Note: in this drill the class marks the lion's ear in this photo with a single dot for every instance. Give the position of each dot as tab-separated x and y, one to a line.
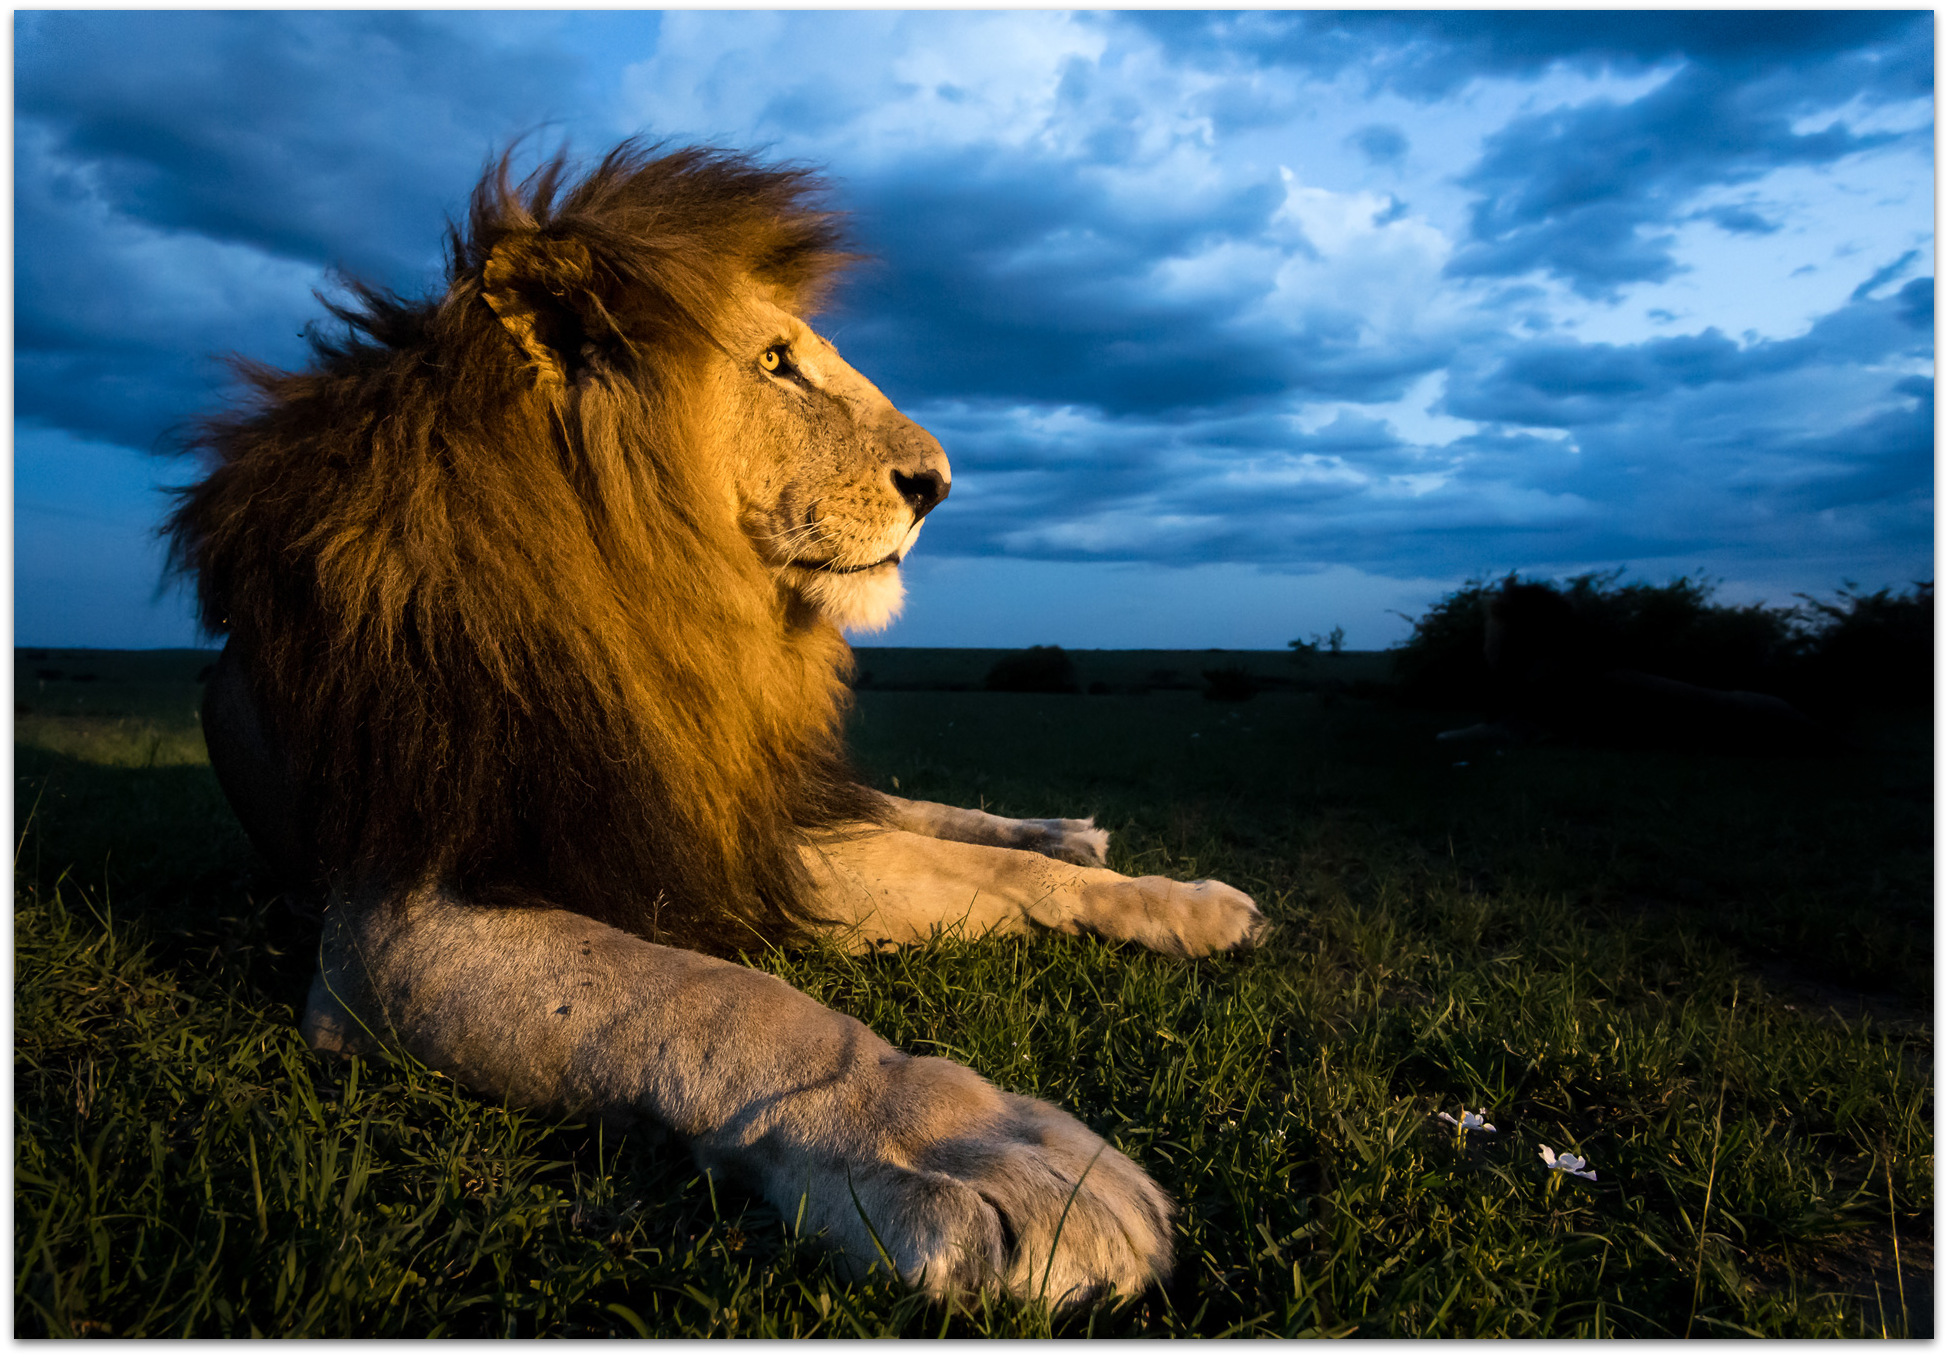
540	289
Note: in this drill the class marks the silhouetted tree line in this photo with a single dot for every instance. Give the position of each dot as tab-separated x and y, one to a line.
1582	655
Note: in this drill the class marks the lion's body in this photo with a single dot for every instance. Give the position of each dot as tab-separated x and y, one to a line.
534	594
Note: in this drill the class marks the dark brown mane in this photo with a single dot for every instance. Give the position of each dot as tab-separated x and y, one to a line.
494	618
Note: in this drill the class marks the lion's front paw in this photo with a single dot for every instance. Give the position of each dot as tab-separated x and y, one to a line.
1021	1196
1077	841
1188	918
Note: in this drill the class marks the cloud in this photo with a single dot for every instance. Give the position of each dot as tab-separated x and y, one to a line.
333	139
184	181
1008	278
1583	193
1740	221
1887	275
1429	55
1380	143
118	323
1554	383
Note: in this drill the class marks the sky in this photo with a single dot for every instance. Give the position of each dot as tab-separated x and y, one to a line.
1235	327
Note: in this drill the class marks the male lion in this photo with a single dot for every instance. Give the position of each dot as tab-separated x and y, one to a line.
533	593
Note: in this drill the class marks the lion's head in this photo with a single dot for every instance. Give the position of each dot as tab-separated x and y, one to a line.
830	481
540	579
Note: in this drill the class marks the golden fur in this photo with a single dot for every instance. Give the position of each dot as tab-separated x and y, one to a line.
534	592
491	602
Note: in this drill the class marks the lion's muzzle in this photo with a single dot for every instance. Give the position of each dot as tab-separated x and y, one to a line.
917	465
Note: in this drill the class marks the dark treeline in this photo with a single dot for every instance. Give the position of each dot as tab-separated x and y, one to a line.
1590	658
1556	652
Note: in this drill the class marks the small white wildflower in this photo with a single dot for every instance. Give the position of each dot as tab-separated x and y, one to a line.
1470	1121
1567	1163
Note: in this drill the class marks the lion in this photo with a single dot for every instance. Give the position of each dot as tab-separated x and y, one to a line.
534	593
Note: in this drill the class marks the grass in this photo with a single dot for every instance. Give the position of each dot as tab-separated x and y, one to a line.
1711	977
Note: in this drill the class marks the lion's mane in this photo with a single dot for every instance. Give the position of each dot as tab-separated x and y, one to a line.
491	613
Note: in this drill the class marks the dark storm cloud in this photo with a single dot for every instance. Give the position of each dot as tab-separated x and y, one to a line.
1887	275
1002	277
117	327
337	139
1694	447
1742	221
1584	193
1555	384
1380	143
1430	54
999	276
183	180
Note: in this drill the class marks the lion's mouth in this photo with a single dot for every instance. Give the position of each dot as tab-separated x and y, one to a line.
833	568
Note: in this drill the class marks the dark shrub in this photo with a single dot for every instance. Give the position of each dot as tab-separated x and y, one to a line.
1677	631
1038	669
1441	664
1868	650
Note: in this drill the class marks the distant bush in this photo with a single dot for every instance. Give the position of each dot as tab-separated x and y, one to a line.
1334	643
1861	650
1038	669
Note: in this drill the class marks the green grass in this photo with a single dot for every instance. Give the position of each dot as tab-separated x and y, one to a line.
1712	977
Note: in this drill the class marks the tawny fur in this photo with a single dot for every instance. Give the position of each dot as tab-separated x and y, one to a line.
534	594
504	617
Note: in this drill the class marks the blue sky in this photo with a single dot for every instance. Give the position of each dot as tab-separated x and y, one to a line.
1236	326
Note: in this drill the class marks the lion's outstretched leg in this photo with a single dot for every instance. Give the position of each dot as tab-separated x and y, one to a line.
963	1185
1077	841
896	886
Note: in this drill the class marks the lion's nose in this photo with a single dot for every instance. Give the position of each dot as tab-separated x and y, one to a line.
922	489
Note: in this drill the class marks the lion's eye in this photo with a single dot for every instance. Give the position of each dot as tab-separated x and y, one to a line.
774	358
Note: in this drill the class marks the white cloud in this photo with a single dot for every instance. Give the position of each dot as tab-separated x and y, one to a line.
862	86
1346	258
1412	418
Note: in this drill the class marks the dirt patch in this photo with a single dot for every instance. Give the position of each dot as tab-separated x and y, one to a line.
1901	1299
1805	994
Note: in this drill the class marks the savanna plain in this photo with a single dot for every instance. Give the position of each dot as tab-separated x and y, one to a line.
1709	976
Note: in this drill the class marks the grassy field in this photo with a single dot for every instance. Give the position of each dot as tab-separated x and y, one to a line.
1711	977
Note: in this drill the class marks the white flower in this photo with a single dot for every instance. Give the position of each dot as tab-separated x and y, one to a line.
1567	1163
1470	1121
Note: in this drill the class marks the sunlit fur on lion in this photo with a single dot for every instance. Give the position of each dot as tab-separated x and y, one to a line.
534	593
504	613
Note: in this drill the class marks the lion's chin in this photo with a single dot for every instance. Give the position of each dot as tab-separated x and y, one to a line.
862	600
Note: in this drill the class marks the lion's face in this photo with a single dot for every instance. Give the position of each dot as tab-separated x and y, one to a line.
830	481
